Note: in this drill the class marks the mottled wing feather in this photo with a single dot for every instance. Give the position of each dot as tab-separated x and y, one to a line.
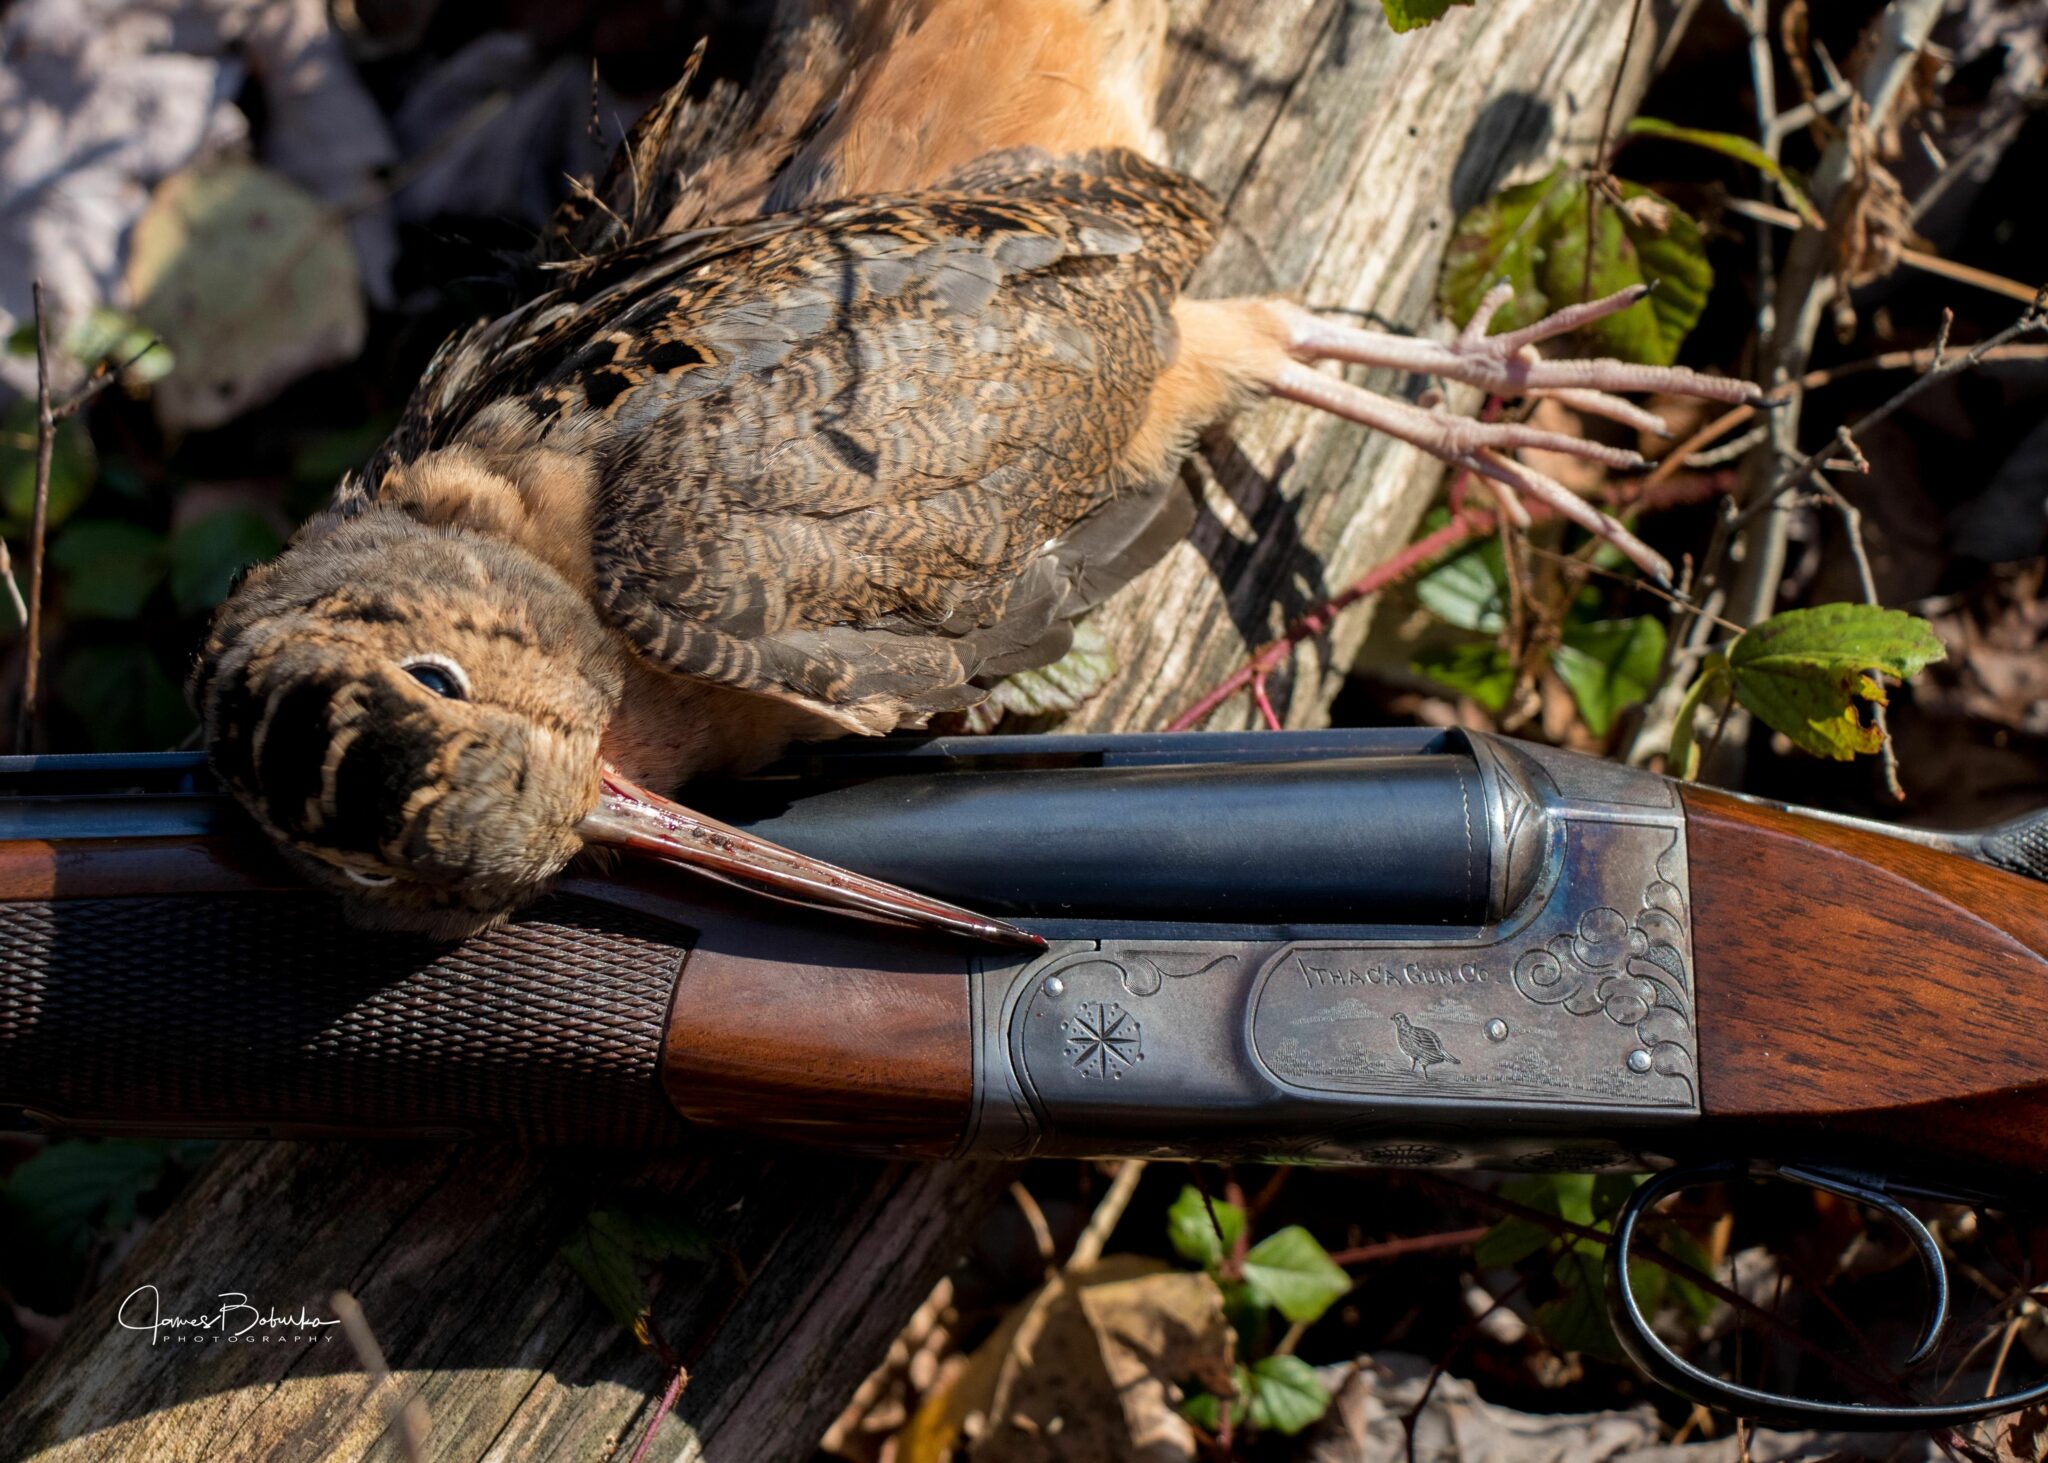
889	473
861	454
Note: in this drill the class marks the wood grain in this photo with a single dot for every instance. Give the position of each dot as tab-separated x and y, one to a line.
1343	154
841	1034
1870	988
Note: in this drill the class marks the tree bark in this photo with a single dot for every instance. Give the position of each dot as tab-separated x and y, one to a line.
1344	154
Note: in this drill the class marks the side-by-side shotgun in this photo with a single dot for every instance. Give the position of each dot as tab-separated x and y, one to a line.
1390	948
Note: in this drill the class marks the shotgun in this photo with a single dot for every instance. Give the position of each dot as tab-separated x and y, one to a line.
1381	947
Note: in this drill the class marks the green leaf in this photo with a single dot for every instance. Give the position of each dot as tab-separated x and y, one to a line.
1610	1192
1567	1195
1204	1410
1050	690
1407	15
1509	1243
1608	664
109	338
56	1205
1577	1319
1477	669
1535	237
1469	589
110	568
123	697
72	466
1289	1271
1193	1233
208	552
1731	144
1680	1245
614	1250
1803	671
1286	1396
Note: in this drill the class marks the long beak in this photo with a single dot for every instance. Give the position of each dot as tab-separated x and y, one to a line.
630	817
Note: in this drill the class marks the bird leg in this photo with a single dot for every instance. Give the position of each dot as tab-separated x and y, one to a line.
1504	365
628	816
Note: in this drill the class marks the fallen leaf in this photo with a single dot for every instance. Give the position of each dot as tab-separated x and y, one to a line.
251	282
1095	1381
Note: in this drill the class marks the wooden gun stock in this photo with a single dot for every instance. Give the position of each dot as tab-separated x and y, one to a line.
1860	990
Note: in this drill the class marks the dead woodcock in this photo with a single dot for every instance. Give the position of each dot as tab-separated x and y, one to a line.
893	386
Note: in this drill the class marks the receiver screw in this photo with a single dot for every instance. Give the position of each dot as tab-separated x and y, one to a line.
1639	1060
1054	986
1496	1030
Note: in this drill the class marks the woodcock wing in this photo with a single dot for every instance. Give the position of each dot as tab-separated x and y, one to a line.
894	389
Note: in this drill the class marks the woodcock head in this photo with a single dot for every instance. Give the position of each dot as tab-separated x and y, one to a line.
416	714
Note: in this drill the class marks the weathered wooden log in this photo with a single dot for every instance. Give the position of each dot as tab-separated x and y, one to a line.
1344	154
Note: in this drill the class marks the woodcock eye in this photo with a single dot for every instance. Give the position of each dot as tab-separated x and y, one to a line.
442	677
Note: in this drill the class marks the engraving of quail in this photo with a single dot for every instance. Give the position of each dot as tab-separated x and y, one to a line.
857	421
1423	1047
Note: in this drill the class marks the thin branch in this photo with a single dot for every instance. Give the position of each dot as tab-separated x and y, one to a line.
1466	524
405	1415
1394	1249
49	415
2031	320
39	523
678	1379
1859	555
1920	259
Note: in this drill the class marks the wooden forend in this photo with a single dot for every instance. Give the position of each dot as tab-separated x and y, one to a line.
1861	986
835	1032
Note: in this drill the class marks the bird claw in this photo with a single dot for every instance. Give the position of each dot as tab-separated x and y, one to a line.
1506	365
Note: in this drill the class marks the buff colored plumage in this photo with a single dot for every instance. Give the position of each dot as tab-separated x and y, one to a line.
844	405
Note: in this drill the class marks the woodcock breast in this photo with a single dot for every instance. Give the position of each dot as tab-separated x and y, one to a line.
910	398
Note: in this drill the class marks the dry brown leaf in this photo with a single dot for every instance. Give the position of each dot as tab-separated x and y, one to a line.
250	281
1094	1382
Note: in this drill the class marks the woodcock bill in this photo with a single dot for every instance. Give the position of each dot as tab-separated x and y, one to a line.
842	408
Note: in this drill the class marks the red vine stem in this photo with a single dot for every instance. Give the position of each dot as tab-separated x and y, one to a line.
1466	525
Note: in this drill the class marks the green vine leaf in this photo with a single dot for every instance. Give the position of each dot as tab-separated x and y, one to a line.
1802	672
1292	1273
1607	665
1477	669
1407	15
1286	1395
614	1250
1731	144
1193	1233
110	568
1536	237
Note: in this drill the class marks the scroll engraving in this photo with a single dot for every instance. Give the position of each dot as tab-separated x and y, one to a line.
1631	969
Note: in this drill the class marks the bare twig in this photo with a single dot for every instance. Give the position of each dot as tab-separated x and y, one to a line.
407	1416
1466	524
1041	1232
1805	287
1909	258
2031	320
678	1379
1086	1252
39	523
49	415
1394	1249
1859	554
